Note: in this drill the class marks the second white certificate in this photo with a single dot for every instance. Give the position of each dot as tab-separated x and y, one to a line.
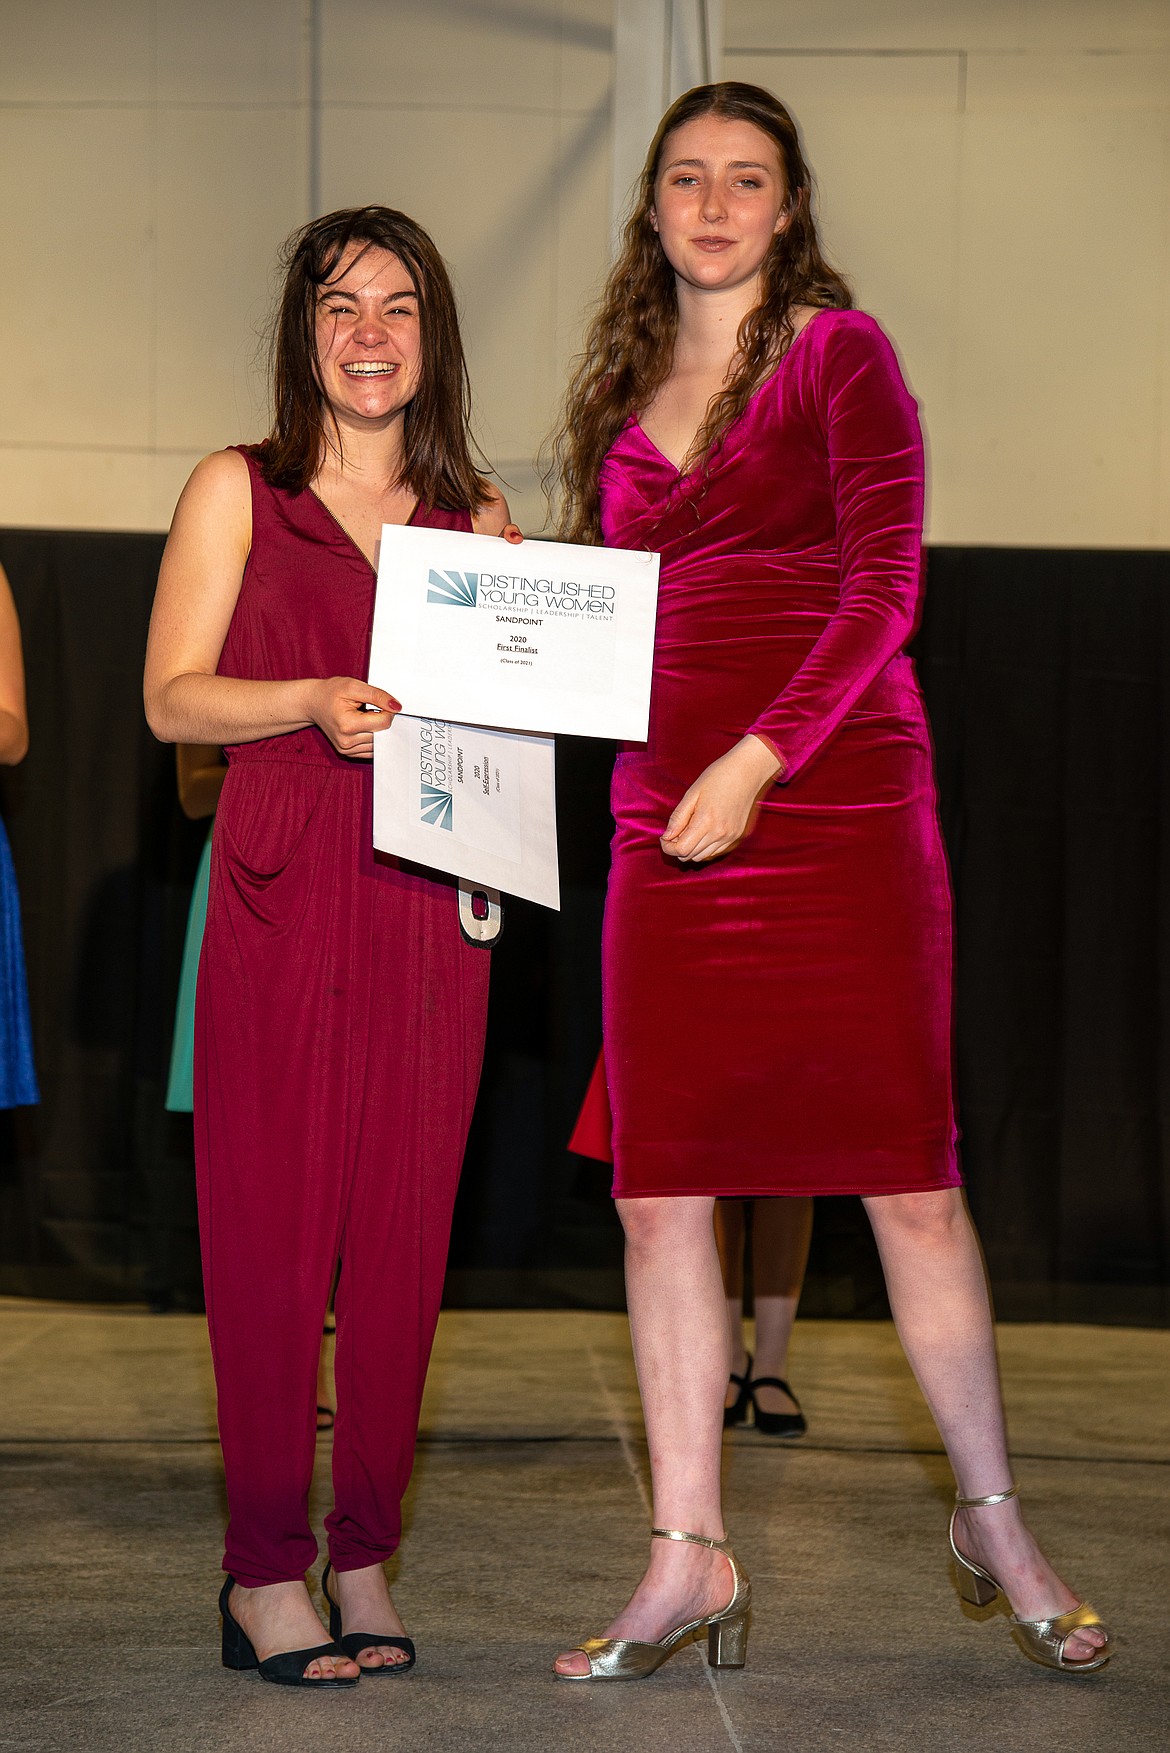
472	802
536	636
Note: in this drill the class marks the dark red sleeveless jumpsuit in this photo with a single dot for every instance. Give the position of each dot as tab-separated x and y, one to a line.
338	1038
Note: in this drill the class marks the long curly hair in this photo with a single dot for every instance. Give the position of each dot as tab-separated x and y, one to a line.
629	344
437	445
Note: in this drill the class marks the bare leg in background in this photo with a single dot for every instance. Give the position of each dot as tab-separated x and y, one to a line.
781	1230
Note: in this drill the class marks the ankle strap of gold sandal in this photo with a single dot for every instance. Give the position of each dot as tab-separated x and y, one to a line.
692	1539
976	1503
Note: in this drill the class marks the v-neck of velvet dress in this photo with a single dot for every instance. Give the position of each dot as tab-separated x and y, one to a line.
779	1021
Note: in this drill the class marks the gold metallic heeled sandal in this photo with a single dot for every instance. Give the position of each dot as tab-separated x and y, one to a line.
623	1658
1043	1640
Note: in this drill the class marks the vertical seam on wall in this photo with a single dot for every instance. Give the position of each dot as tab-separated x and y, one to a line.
155	219
312	27
1160	497
554	339
959	242
665	58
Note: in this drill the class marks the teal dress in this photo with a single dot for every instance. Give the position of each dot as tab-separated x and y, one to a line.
180	1099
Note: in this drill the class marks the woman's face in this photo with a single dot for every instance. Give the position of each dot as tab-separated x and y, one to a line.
369	343
718	201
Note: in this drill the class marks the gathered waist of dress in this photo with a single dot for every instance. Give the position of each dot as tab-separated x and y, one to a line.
815	567
715	602
694	632
306	748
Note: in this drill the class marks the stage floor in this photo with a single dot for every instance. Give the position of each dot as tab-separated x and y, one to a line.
526	1527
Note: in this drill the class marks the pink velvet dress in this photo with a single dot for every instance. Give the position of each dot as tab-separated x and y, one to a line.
779	1021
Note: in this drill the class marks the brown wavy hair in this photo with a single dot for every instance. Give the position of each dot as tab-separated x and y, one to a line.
629	344
437	444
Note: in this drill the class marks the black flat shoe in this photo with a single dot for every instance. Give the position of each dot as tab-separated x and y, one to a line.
353	1641
738	1410
777	1423
287	1668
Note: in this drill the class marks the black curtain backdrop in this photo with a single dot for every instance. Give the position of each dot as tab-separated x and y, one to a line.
96	1191
1047	675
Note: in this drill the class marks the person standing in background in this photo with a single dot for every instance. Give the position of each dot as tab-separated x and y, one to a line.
18	1078
777	1232
199	773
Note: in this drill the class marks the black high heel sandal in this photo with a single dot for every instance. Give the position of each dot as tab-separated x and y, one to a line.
287	1668
777	1423
738	1410
353	1641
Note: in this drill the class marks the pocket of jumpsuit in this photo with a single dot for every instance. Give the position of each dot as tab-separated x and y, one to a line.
271	843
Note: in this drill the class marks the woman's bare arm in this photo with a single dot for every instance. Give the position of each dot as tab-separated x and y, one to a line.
13	713
494	519
198	586
200	770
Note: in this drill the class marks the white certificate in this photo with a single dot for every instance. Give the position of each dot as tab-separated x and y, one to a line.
537	636
475	803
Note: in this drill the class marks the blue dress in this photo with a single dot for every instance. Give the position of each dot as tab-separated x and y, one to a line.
18	1080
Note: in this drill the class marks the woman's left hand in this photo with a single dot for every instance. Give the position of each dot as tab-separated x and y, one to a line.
721	806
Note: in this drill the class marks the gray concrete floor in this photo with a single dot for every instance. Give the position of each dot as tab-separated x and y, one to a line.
526	1527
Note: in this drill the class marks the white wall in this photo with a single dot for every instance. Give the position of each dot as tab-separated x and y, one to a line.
489	123
995	176
154	154
151	155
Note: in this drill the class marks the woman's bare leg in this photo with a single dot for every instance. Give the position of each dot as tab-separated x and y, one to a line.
730	1226
938	1293
326	1395
678	1327
781	1232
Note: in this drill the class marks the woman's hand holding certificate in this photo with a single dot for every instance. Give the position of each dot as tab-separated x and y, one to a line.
544	636
478	631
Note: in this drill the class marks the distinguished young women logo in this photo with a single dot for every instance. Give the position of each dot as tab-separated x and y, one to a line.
456	589
437	801
438	807
566	597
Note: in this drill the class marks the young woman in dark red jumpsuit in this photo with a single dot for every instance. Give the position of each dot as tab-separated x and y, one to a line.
340	1013
777	954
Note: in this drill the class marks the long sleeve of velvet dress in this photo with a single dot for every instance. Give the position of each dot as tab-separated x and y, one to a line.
779	1021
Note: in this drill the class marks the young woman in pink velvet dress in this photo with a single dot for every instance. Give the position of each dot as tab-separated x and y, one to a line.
777	952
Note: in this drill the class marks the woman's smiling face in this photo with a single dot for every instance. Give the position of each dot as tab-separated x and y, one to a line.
369	338
719	201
